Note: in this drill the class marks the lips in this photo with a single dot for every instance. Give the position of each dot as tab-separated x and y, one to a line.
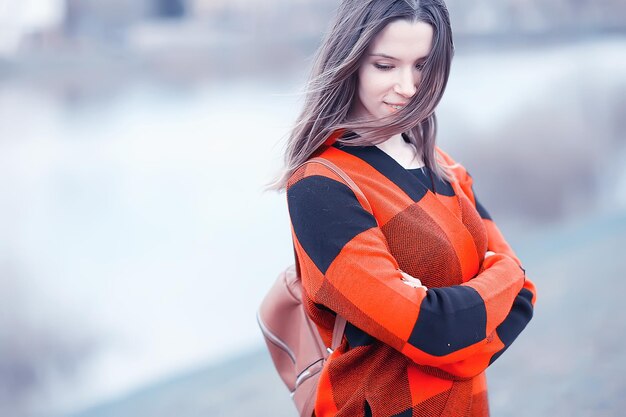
395	105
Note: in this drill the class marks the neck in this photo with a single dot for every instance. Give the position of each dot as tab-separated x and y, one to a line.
404	153
394	142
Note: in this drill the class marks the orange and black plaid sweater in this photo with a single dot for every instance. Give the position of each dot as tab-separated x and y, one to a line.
406	351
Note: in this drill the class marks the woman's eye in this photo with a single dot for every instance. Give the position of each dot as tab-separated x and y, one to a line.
383	67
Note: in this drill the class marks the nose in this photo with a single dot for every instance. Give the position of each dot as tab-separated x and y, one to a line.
406	84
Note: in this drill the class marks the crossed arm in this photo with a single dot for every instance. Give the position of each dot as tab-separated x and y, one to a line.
460	329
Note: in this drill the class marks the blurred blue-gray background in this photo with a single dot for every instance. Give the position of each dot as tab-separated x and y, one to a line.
136	242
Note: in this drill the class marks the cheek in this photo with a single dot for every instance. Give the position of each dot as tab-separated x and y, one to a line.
372	84
418	79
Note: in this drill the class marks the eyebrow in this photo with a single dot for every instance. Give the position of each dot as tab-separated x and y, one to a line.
395	59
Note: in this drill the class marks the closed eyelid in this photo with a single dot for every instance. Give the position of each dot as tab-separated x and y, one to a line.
386	66
421	60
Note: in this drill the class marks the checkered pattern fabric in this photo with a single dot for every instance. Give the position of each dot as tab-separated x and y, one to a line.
406	351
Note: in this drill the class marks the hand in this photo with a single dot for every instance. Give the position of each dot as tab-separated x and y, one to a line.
412	281
482	264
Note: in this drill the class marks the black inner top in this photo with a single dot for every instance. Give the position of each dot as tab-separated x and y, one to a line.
423	174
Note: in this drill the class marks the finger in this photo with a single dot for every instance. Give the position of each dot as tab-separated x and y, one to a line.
413	280
415	285
405	275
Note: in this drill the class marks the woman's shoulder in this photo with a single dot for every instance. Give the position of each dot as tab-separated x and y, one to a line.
316	188
326	161
323	167
326	176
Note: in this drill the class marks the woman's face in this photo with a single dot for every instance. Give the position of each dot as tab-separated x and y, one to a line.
390	70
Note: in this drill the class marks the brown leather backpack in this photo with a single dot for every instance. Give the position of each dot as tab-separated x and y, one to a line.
295	345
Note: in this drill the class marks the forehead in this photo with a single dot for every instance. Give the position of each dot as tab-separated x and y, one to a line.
403	40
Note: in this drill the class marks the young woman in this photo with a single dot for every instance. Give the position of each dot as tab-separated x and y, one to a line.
431	291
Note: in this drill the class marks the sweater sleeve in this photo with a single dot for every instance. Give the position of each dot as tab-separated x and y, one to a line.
522	309
347	266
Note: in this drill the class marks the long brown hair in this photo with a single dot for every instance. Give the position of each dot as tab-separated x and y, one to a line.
333	81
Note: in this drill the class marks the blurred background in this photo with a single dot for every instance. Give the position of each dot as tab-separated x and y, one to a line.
136	241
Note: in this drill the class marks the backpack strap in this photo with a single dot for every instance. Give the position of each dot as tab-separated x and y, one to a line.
339	172
338	331
340	321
